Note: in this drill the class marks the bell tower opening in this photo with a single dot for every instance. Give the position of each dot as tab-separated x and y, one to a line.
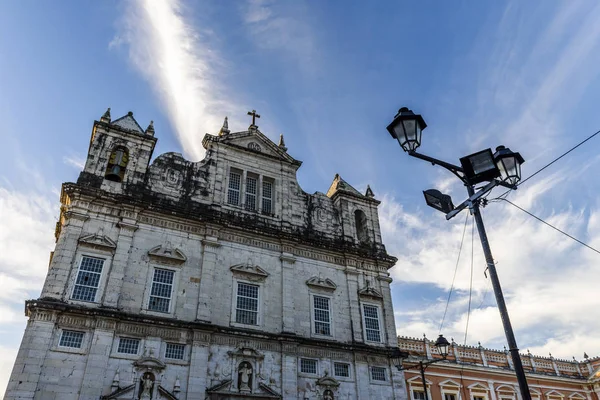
117	163
360	221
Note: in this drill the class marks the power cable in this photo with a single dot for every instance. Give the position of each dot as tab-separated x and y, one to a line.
550	225
552	162
455	269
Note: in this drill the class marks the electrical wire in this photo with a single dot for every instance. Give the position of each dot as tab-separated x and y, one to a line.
455	269
471	284
549	164
550	225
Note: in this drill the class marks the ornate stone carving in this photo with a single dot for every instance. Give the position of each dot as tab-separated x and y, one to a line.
369	291
250	271
321	283
167	253
98	241
328	381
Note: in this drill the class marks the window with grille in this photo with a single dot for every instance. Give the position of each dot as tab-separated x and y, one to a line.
233	194
308	366
247	304
162	287
341	369
72	339
251	182
371	315
418	395
88	279
378	373
267	196
174	351
321	315
128	345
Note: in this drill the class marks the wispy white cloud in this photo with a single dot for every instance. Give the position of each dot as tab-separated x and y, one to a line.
181	66
74	161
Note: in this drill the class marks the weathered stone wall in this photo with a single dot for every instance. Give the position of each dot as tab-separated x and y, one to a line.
174	215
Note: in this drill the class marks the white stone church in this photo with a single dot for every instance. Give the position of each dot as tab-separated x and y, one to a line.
217	279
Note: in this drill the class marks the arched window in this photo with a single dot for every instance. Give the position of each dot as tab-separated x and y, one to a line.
362	233
117	162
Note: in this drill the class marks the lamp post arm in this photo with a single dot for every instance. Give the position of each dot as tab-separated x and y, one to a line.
455	169
469	202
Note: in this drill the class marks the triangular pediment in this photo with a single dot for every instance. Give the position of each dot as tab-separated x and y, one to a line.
227	388
340	185
369	291
250	270
321	283
167	252
253	141
98	240
128	123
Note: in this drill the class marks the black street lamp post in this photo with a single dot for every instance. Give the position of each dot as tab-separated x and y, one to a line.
503	168
442	346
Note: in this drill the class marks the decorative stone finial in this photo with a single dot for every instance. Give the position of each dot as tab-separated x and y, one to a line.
177	387
369	192
585	355
479	344
424	336
550	354
282	143
116	379
528	353
150	128
225	128
106	116
130	113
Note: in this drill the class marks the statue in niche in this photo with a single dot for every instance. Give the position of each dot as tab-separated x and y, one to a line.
245	377
146	386
328	395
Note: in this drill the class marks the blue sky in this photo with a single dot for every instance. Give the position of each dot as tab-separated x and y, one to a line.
330	76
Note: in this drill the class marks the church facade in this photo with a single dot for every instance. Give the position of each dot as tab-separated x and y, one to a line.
217	279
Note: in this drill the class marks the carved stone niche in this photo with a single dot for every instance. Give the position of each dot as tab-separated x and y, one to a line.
249	271
98	241
166	254
318	282
328	383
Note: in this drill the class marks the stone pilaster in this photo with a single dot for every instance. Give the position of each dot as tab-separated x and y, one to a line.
355	313
210	248
427	345
55	285
492	390
119	262
288	285
388	311
289	371
455	350
27	370
97	362
554	365
197	379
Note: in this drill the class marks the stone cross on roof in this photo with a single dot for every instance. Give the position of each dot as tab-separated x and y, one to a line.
254	116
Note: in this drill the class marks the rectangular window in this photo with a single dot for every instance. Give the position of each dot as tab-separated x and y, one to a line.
88	279
71	339
174	351
162	286
128	345
321	315
308	366
371	314
378	373
341	369
233	194
251	182
267	196
418	395
247	304
478	398
449	396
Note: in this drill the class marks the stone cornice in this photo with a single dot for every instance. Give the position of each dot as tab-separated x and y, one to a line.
240	223
138	324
